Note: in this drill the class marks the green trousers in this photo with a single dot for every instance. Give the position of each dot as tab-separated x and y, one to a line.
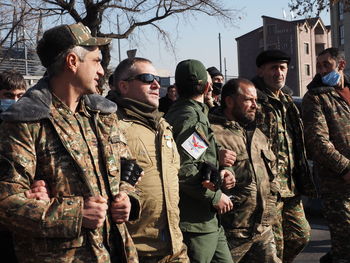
207	247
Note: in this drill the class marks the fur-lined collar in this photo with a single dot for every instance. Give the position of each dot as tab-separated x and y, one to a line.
316	86
35	104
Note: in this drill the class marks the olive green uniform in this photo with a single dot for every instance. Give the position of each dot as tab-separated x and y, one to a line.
199	221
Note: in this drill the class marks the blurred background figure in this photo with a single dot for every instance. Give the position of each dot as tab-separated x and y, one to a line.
12	87
166	101
218	81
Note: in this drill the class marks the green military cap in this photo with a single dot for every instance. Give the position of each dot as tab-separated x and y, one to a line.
59	39
190	72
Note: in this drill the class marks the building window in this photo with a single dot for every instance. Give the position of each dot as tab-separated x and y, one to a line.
307	70
341	34
271	29
306	48
341	10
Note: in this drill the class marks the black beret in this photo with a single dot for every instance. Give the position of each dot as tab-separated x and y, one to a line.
213	71
273	55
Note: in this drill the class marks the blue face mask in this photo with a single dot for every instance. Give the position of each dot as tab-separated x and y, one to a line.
5	104
331	79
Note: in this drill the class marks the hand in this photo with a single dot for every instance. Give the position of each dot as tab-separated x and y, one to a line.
227	157
120	208
38	190
346	177
229	180
94	212
209	185
224	205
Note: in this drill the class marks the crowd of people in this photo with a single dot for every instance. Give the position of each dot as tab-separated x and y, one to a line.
212	172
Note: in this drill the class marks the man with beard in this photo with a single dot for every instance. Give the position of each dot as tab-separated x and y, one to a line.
248	226
279	119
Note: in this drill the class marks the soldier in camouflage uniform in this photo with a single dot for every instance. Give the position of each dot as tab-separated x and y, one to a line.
156	234
63	133
279	119
326	116
248	226
199	206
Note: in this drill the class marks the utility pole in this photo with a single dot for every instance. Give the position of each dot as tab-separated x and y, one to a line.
118	38
225	70
220	52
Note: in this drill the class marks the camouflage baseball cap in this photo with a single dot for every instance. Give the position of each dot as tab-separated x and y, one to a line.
190	72
59	39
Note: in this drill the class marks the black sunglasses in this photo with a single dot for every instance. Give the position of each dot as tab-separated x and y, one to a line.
145	78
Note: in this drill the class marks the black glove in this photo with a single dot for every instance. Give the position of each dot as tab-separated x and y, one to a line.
130	171
210	173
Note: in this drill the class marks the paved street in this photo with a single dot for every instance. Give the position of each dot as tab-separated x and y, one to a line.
320	240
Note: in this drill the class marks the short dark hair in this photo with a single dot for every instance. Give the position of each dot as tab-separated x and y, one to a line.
171	87
335	53
126	69
231	89
12	80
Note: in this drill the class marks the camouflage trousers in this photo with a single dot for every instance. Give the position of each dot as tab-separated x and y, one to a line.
179	257
336	210
291	229
261	248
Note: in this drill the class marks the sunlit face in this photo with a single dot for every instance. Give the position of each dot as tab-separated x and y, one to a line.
90	71
274	75
325	64
209	94
243	107
11	94
135	89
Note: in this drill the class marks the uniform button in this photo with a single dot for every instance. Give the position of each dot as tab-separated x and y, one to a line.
100	245
70	202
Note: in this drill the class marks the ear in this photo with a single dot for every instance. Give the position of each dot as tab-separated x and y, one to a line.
229	102
72	61
259	71
341	64
123	87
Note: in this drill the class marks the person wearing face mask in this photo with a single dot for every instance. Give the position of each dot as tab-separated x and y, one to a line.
12	87
326	117
218	81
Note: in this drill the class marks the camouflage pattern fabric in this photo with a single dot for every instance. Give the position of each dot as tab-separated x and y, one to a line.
261	248
326	117
248	225
62	150
336	210
291	230
179	257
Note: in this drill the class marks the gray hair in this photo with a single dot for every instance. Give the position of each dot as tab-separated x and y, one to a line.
57	67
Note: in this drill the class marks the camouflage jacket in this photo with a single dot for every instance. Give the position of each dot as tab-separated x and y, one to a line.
37	143
255	193
326	117
266	121
150	139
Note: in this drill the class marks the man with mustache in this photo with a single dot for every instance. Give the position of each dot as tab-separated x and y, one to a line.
248	226
279	119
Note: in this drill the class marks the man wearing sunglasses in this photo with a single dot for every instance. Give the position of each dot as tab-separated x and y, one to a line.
156	234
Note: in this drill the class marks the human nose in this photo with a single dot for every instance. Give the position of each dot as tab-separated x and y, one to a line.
100	70
155	84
